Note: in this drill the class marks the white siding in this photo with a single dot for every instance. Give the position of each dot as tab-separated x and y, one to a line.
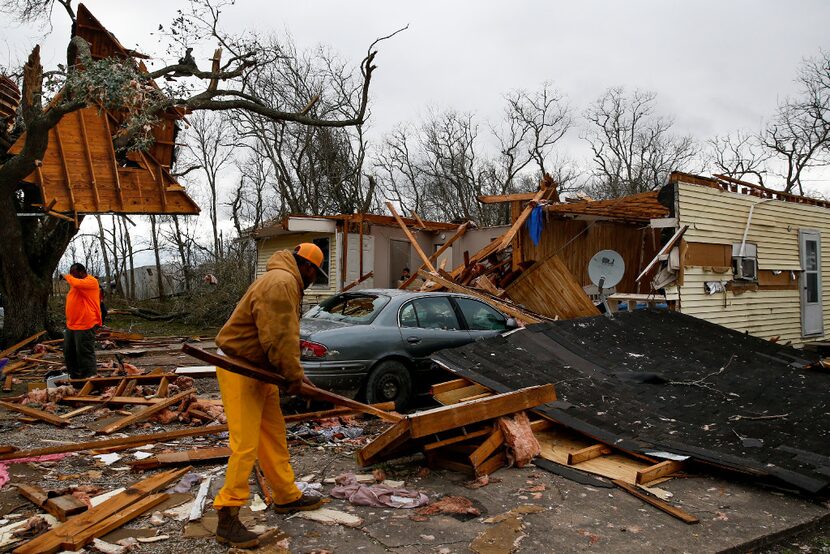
268	246
719	217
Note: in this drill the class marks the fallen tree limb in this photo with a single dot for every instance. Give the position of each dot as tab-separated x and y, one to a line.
150	315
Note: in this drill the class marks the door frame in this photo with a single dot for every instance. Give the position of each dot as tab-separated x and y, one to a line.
803	236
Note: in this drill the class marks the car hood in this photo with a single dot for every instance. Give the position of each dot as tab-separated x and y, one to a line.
310	326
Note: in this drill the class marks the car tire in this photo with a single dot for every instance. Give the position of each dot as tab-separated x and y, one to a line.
389	381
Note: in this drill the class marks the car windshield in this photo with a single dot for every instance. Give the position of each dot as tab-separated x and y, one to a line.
357	308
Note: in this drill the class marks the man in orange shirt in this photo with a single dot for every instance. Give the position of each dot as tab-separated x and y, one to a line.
83	315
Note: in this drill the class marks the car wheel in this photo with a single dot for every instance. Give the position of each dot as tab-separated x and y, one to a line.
389	381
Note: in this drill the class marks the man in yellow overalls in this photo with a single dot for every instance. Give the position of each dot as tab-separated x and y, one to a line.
264	330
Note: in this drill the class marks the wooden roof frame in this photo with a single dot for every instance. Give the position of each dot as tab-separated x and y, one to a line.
81	172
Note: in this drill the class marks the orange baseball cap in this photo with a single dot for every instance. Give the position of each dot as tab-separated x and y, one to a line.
312	253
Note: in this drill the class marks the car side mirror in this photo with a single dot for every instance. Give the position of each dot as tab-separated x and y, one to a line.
511	323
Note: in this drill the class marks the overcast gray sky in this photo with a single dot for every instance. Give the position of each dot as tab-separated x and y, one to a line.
716	66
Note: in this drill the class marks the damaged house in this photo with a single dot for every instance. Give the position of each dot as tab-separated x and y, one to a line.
368	248
750	258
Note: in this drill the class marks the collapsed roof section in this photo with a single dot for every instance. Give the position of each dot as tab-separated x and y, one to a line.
660	381
81	171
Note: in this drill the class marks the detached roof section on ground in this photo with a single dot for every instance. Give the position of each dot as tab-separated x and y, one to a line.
664	381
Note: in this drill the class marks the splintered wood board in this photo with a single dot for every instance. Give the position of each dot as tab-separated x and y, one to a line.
556	445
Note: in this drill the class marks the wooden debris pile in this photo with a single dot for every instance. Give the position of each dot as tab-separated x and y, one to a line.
464	436
89	524
528	290
469	435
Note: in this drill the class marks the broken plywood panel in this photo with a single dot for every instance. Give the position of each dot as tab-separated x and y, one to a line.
548	288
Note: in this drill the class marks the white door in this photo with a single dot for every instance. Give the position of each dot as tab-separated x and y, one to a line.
353	259
812	323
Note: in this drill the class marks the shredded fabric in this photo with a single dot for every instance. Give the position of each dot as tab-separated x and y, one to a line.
378	496
521	442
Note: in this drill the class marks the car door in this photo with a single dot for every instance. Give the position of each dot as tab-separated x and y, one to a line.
428	324
482	319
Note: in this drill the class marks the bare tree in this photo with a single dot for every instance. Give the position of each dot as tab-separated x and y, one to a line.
633	148
154	239
739	155
209	147
799	134
541	119
313	170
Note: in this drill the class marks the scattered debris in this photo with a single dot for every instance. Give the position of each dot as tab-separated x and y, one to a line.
380	495
330	516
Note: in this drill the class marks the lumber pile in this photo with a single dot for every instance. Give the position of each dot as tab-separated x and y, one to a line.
569	454
111	514
464	436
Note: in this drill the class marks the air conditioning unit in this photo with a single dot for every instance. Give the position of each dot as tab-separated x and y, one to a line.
745	262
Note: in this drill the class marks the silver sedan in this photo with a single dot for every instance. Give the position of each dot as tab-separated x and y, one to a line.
376	343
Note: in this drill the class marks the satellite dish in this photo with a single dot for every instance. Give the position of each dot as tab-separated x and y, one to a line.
606	269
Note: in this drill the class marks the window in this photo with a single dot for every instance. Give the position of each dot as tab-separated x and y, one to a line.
323	243
408	317
356	308
480	316
434	312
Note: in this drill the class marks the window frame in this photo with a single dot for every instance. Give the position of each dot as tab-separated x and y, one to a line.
461	315
462	324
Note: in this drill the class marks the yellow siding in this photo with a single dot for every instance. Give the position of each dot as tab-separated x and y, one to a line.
719	217
763	313
267	247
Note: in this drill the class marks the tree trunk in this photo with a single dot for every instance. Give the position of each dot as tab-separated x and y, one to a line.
182	254
159	279
103	240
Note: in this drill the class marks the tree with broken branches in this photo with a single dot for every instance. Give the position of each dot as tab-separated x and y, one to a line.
31	248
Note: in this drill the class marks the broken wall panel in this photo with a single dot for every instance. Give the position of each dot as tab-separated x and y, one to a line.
548	288
576	241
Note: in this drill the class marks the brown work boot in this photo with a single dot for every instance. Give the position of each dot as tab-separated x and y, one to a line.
302	504
231	531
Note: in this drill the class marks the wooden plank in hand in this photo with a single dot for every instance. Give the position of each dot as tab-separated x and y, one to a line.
235	365
145	413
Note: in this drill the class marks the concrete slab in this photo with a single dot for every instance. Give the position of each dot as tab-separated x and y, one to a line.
733	515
